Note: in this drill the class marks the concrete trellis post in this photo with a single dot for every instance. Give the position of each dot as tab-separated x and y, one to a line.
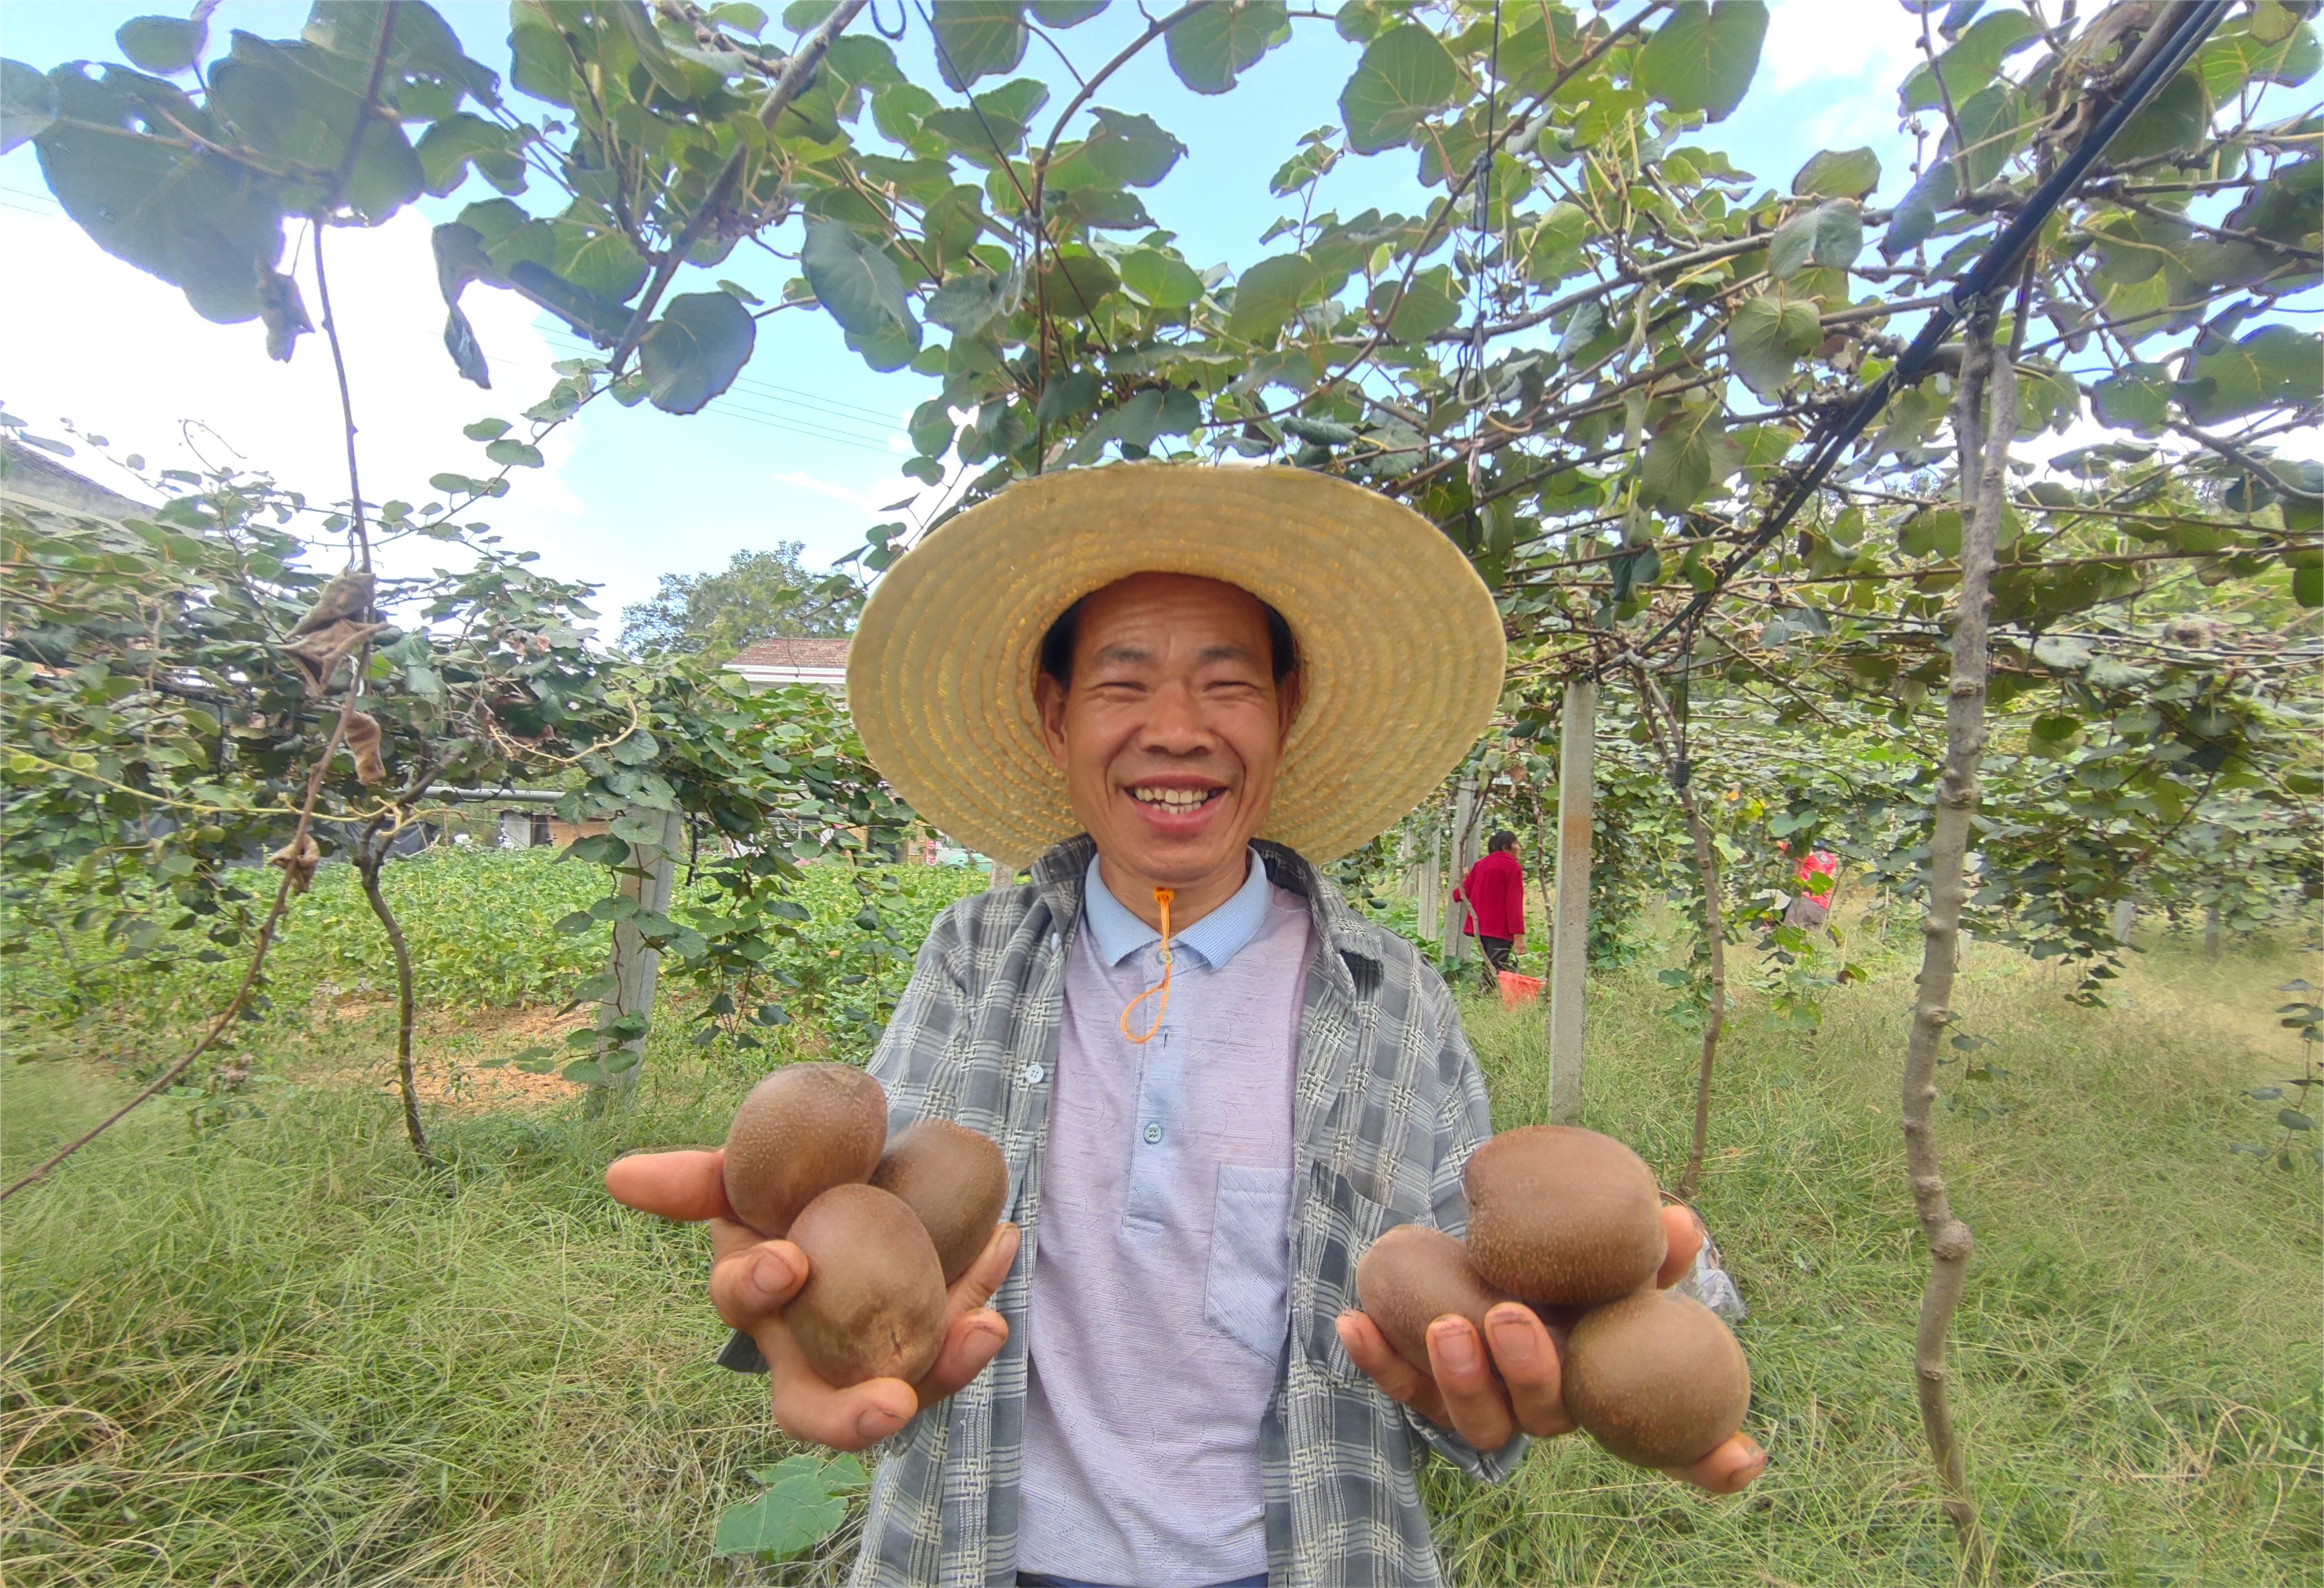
636	967
1577	742
1466	813
1428	881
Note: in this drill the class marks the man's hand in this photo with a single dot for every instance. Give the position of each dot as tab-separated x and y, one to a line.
1461	1392
752	1279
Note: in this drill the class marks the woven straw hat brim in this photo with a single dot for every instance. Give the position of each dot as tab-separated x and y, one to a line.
1399	644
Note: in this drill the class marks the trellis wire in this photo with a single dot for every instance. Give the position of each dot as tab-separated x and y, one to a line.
1984	278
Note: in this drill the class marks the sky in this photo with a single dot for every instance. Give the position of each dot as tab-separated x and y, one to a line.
808	445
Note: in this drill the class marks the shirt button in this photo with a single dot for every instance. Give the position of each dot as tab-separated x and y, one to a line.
1153	1134
1033	1072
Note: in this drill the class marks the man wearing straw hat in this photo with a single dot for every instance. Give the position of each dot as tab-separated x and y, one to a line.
1176	692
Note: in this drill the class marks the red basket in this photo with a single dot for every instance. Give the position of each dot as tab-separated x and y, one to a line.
1517	991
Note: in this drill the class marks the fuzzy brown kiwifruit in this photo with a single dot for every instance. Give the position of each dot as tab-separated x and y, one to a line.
1657	1379
873	1304
954	1180
803	1130
1562	1216
1411	1277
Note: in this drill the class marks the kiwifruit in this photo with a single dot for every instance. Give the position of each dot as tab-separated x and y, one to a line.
1411	1277
954	1180
873	1304
1657	1379
1559	1320
1562	1216
803	1130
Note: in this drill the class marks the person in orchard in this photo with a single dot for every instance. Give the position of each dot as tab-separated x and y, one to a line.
1816	875
1176	691
1494	893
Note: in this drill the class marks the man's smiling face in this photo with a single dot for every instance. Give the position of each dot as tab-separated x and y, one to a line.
1170	730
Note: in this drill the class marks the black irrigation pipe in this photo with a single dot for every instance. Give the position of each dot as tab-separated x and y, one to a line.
1989	273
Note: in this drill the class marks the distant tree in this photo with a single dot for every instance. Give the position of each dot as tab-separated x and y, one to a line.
759	595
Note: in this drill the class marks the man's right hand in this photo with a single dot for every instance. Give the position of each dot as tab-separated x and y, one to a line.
752	1279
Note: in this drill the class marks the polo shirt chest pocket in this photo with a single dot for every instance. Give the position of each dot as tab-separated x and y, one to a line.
1337	1226
1247	1292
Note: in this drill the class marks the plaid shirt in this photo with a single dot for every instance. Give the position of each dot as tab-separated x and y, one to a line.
1387	1106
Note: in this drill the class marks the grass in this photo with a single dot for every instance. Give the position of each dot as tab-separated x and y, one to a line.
271	1352
275	1353
2135	1364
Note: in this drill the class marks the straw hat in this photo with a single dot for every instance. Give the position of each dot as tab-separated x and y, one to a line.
1399	644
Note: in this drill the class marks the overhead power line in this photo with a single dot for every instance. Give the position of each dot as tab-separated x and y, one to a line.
777	422
872	436
830	406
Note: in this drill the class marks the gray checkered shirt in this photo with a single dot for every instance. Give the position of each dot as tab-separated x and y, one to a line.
1387	1106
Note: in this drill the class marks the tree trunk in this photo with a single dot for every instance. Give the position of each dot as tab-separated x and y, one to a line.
1984	418
1714	923
368	861
1577	745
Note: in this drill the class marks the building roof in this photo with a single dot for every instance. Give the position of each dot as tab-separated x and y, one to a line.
28	475
774	664
817	655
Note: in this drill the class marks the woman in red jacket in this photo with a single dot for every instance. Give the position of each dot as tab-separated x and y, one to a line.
1494	892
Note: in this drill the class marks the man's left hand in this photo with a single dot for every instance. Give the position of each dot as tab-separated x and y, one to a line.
1490	1400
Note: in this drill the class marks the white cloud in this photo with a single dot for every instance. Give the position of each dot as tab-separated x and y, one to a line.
1851	55
2086	431
912	501
121	354
1840	46
931	499
862	499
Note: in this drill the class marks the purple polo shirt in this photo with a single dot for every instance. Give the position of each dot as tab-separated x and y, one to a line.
1158	1311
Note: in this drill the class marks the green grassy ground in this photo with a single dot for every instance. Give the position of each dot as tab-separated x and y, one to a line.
273	1352
482	925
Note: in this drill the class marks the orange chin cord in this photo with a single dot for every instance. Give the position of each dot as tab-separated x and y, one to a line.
1162	897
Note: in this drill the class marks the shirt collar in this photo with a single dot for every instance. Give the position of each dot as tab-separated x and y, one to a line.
1359	948
1216	938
